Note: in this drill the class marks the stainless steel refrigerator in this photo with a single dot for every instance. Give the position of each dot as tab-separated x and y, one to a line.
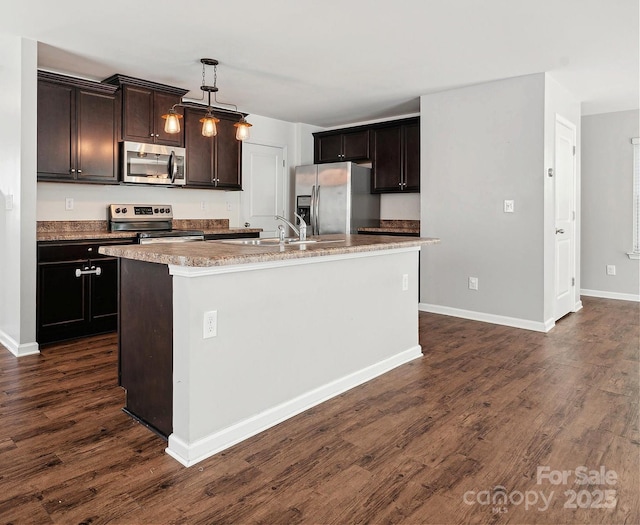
336	198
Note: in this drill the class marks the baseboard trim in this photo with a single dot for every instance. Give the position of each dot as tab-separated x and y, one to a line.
487	318
611	295
19	350
191	453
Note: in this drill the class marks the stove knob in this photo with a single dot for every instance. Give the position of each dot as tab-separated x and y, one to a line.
161	210
155	210
117	210
167	210
124	210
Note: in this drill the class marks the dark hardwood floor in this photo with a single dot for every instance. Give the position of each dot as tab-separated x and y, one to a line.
430	442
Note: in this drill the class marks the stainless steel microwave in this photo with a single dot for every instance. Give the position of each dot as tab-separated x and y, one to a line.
153	164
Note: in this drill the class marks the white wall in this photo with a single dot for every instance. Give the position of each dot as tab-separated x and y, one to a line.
481	145
607	218
18	64
91	201
400	206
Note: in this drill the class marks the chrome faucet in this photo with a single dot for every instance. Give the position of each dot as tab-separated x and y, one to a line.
301	232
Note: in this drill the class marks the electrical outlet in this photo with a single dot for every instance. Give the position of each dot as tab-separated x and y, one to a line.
405	282
203	205
229	206
611	269
473	283
8	202
68	204
509	206
210	324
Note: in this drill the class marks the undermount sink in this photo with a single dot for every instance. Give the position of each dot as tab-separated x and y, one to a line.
274	241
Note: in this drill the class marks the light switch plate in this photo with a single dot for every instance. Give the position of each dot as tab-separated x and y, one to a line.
8	202
509	206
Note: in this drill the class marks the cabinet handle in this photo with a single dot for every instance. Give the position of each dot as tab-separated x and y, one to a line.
85	271
72	170
152	135
79	171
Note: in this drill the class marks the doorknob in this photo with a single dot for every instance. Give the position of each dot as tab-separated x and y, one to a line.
559	230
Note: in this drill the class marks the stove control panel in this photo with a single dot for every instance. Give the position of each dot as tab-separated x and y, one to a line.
140	212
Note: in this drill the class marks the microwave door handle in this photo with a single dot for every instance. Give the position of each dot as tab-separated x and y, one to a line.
173	168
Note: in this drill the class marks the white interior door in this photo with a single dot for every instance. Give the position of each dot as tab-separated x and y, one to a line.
565	175
263	184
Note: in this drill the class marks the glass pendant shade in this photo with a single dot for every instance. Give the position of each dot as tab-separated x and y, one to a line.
172	122
209	128
242	132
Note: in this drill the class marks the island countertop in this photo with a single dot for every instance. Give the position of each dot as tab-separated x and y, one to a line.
218	253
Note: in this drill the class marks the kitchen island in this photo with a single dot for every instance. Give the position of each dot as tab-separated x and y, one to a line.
293	325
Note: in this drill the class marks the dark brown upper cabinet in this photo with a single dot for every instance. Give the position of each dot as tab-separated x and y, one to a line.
77	130
143	104
395	157
338	146
212	162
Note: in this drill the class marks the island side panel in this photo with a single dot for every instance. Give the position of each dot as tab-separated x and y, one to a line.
287	338
146	342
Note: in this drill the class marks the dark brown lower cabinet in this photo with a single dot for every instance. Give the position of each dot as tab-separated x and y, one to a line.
77	291
145	364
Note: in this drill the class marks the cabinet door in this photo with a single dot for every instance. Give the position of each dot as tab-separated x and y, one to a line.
56	131
138	114
96	137
387	159
200	150
162	103
61	301
411	156
355	145
104	289
228	156
328	148
103	313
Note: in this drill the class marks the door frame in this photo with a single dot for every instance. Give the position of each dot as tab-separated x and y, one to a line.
286	178
575	306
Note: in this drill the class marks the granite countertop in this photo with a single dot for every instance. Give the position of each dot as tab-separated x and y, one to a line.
86	230
394	226
217	253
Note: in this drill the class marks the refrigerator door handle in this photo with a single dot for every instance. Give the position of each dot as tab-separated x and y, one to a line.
318	210
313	210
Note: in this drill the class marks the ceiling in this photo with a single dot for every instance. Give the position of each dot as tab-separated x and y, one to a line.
334	62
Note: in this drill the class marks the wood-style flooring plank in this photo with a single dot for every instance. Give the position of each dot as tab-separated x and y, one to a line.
484	408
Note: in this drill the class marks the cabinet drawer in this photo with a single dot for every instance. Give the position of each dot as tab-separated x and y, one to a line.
75	251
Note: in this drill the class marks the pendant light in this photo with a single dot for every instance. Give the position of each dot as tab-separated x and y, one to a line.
242	132
209	121
172	121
